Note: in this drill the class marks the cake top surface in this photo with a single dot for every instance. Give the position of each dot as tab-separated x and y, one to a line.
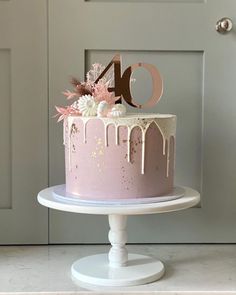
103	91
130	116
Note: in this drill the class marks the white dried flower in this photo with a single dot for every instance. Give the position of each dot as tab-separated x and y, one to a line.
86	105
118	110
75	105
103	108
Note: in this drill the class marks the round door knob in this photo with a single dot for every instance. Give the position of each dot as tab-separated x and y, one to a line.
224	25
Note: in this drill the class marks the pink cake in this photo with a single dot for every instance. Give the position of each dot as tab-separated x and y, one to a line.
120	158
110	154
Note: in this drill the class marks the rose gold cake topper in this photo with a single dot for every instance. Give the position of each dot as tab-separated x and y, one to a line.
123	82
101	92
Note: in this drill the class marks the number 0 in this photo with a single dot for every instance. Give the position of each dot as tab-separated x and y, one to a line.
157	85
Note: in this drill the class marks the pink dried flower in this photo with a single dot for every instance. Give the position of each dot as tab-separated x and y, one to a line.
69	94
100	93
81	88
63	113
74	81
94	86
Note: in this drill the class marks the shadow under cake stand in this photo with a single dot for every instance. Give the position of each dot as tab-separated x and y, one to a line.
118	268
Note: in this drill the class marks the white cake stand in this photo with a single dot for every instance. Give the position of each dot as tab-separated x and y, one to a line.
118	268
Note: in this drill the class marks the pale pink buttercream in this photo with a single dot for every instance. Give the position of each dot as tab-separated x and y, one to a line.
96	171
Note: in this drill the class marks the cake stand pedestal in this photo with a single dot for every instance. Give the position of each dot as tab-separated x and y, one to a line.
118	268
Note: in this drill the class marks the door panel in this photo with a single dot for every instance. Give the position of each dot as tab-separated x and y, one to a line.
23	121
198	67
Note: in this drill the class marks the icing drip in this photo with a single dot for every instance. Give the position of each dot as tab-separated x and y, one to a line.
174	151
165	123
143	151
117	134
166	135
85	130
164	146
70	123
128	142
106	134
168	158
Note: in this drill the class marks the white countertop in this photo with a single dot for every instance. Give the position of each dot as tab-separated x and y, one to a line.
189	269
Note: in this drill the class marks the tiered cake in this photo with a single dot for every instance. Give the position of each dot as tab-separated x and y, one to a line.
110	154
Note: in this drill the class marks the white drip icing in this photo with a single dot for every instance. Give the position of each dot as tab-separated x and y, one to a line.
168	158
163	145
85	130
129	143
167	131
117	134
165	123
143	144
106	134
174	146
70	123
143	151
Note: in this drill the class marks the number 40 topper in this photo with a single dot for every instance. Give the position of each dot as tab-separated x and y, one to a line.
122	82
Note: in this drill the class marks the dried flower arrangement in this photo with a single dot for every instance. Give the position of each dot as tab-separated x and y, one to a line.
92	97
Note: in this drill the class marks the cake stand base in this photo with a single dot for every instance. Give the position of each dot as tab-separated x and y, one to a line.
95	270
118	267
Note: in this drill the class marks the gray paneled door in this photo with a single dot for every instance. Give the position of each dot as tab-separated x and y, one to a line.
23	121
199	70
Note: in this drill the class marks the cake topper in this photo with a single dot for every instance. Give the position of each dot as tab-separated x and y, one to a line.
100	95
123	82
